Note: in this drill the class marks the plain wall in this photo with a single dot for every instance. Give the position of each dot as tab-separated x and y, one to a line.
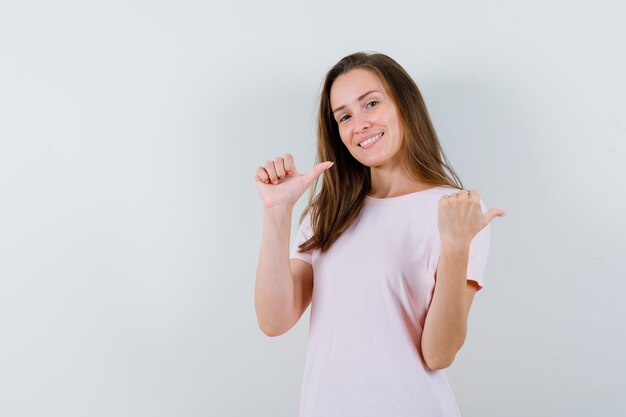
130	223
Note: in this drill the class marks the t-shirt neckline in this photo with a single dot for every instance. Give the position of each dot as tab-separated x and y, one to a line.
400	197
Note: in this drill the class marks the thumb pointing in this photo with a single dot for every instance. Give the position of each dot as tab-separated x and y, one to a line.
495	212
318	169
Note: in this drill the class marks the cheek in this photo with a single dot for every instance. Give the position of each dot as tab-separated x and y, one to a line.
344	135
393	121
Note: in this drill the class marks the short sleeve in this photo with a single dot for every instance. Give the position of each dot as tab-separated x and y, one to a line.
479	252
303	234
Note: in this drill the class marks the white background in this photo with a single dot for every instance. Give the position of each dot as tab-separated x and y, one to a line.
130	224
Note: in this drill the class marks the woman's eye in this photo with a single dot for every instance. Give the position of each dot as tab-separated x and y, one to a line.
372	103
343	118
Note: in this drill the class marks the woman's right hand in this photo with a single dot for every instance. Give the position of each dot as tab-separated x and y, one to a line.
280	184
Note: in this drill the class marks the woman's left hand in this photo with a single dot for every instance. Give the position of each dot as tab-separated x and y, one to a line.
460	217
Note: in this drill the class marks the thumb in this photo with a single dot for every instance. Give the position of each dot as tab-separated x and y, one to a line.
493	213
318	169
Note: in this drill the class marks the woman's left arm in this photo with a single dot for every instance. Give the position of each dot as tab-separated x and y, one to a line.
460	218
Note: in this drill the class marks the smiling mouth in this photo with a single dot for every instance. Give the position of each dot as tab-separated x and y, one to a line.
371	140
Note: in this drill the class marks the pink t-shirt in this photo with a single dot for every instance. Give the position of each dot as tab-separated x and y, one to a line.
371	293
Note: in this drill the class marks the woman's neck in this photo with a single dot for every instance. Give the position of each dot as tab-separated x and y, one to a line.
393	182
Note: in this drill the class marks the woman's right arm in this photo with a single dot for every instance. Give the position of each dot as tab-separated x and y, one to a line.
283	287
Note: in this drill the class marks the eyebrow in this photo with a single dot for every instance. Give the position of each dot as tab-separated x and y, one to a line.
359	99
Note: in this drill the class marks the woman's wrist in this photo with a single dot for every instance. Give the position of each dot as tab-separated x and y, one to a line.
455	248
278	212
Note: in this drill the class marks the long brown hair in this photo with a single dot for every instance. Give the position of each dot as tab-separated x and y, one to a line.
347	183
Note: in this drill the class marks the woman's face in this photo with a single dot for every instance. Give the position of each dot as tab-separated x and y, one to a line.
367	118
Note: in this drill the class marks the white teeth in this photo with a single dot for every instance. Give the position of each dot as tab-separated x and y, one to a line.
370	140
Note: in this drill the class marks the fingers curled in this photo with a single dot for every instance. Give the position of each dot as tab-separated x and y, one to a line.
279	163
290	166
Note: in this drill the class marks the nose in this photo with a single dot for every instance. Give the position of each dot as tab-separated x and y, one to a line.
361	123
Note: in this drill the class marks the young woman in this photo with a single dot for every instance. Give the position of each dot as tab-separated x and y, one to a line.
389	253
